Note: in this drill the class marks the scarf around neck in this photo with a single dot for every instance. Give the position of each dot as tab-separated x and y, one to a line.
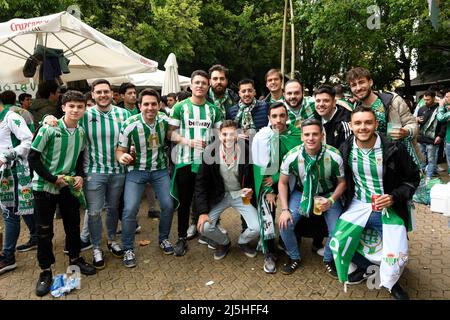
311	183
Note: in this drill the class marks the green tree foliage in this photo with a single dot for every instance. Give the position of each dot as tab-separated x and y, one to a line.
245	35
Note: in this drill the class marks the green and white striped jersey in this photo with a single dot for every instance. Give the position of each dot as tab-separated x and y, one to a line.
133	112
102	133
194	122
148	141
59	150
331	167
306	111
367	168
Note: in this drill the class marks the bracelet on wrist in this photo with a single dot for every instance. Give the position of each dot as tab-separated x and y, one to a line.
332	200
286	209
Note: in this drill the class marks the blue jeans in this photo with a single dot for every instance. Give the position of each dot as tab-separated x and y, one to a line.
248	212
288	235
100	189
375	224
12	230
430	153
135	183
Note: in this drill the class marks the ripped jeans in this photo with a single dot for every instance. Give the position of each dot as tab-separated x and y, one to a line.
45	206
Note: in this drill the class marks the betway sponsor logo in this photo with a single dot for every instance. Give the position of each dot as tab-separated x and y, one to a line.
199	123
27	25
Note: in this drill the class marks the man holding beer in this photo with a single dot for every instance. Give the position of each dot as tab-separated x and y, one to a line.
320	182
225	180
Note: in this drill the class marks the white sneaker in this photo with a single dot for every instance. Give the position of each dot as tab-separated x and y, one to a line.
320	251
191	232
97	260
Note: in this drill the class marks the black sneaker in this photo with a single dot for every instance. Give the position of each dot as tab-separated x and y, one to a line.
154	214
357	276
290	267
330	268
398	293
97	261
85	268
115	249
221	251
85	245
30	245
44	283
7	264
180	247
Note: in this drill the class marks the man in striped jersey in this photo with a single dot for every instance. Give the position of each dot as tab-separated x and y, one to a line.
54	156
299	107
127	92
191	128
147	132
374	166
105	176
318	170
15	142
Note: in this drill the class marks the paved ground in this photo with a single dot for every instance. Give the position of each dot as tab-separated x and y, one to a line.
163	277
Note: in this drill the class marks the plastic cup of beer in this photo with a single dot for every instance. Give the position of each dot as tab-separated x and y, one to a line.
393	127
245	196
374	198
318	201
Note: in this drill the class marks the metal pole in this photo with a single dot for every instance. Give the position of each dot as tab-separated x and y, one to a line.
283	40
292	41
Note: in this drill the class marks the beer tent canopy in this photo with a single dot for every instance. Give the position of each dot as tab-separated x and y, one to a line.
91	53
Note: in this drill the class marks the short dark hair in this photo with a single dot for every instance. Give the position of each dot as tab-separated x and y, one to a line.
149	92
326	89
99	81
172	95
181	95
218	67
73	95
357	73
164	99
339	90
312	122
228	124
125	86
277	105
427	93
362	108
293	81
8	97
23	96
246	81
88	96
272	71
46	88
201	73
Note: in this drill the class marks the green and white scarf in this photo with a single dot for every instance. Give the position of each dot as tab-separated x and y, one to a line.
220	103
76	193
24	189
244	117
390	252
266	223
311	183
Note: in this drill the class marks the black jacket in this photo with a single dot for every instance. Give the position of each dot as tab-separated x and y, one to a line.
400	175
209	185
337	129
259	114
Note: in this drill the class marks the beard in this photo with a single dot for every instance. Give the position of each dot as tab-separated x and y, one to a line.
218	90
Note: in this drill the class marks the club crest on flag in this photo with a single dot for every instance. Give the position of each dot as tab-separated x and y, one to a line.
371	242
